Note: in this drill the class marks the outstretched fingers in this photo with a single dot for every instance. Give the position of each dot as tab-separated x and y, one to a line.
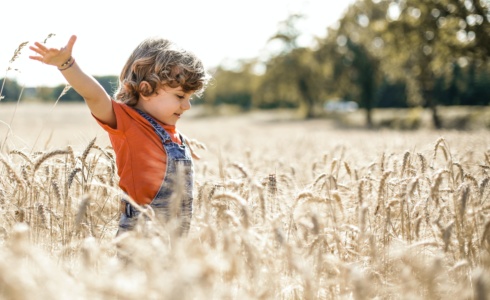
38	58
38	48
71	42
52	55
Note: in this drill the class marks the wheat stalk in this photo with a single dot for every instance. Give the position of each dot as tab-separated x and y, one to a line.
11	171
46	156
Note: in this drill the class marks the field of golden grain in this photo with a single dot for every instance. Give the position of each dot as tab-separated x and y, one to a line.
283	210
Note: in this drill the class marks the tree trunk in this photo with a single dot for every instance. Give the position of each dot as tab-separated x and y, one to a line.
369	117
307	99
436	120
368	86
432	105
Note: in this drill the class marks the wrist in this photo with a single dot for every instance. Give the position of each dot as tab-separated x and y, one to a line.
67	64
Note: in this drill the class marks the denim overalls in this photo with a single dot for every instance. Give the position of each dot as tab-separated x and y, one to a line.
176	187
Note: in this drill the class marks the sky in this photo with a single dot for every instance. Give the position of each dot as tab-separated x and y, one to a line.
217	31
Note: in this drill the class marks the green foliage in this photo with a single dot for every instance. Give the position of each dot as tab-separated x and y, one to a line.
44	93
425	39
391	94
294	77
11	90
277	87
427	52
70	96
108	82
232	87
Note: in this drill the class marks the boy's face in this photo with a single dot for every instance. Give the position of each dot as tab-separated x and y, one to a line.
168	104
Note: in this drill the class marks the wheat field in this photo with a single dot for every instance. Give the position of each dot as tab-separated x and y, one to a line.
282	210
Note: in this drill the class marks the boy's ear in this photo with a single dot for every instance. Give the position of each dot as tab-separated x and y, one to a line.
145	90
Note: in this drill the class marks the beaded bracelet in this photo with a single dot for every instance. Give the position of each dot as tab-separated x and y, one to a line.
67	64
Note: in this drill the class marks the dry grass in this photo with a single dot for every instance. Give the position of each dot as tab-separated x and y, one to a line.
283	210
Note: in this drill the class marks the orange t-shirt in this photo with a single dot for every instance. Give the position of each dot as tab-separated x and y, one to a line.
140	157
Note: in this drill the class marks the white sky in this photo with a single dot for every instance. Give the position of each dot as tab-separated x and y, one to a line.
216	30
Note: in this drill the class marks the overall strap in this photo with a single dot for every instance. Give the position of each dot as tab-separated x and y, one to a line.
158	129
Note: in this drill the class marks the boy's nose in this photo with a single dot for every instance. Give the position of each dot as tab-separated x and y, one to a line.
186	104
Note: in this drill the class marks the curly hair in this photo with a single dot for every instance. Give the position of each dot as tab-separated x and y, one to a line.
160	62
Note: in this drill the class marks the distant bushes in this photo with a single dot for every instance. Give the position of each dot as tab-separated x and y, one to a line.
12	90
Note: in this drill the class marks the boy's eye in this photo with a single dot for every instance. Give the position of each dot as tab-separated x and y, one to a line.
180	97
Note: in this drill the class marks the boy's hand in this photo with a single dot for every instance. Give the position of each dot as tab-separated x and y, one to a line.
53	56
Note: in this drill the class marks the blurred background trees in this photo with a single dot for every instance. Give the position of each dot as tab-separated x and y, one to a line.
381	53
405	53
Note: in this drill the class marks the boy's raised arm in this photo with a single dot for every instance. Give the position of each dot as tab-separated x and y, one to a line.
97	99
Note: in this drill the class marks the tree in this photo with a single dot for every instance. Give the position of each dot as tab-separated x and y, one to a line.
10	90
233	86
292	77
423	39
109	83
354	74
349	53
